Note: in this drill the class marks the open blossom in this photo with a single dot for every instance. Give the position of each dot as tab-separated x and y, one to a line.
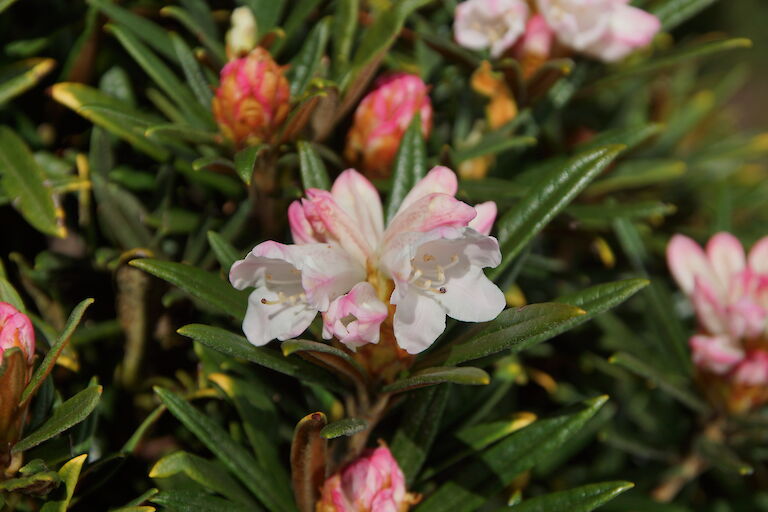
372	483
252	100
493	24
381	120
605	29
346	264
729	291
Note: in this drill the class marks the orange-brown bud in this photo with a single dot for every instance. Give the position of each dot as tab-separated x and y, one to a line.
253	98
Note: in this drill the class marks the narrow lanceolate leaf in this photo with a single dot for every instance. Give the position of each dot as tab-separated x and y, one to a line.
409	166
206	32
496	466
555	189
206	473
672	13
313	172
325	353
235	345
600	298
246	160
231	454
21	76
491	144
381	34
112	114
344	27
192	71
198	501
419	424
430	376
308	459
675	389
513	329
307	61
69	474
68	414
54	352
345	427
149	32
24	180
630	137
204	286
581	499
224	251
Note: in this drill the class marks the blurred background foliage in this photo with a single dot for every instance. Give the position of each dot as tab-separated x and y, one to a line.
696	163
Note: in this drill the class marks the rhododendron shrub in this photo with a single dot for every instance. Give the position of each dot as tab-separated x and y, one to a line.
382	255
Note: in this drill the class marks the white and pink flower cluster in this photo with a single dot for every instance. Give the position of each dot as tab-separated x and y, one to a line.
427	262
374	483
729	291
608	30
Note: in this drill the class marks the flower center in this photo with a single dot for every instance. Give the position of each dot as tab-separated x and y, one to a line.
292	283
429	275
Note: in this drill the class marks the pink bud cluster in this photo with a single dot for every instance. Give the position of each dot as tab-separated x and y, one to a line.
372	483
15	332
608	30
729	292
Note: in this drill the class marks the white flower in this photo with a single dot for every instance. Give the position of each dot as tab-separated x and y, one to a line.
494	24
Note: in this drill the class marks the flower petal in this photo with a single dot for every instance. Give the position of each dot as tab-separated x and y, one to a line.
758	256
486	215
264	322
418	322
430	212
472	297
711	312
327	272
355	318
439	180
753	370
301	228
345	230
686	261
726	255
715	353
360	199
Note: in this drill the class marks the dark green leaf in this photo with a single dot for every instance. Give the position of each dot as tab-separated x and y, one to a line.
465	375
68	414
237	346
491	146
547	198
345	427
149	32
344	28
496	466
305	64
206	35
409	166
230	453
672	13
21	76
313	172
25	181
204	286
191	69
225	253
54	352
198	501
581	499
246	160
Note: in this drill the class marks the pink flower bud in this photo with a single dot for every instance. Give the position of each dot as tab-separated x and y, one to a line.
253	98
16	331
372	483
381	120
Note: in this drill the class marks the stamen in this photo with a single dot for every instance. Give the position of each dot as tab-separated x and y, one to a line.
282	298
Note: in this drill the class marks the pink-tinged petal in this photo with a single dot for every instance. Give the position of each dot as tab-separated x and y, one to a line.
486	299
345	230
439	180
301	229
577	23
327	272
630	28
753	370
726	255
710	310
758	256
419	321
717	354
359	198
355	318
268	318
384	501
486	216
430	212
250	270
686	261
